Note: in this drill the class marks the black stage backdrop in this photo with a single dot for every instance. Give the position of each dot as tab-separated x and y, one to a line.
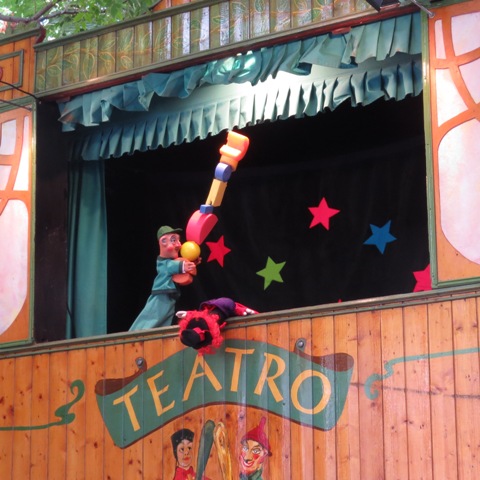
321	210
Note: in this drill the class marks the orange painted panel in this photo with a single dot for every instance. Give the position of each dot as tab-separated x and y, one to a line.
454	74
15	224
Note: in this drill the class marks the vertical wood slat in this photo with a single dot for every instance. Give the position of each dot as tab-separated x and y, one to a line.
7	395
347	430
395	437
162	44
143	42
113	459
280	15
302	455
259	18
239	21
370	412
22	417
89	58
467	387
325	458
301	12
444	448
54	65
133	459
236	428
76	433
94	426
71	60
57	435
219	25
152	444
40	415
279	427
106	54
417	388
125	49
170	347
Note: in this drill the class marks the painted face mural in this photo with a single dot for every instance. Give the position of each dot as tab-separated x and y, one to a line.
184	453
252	457
255	449
182	444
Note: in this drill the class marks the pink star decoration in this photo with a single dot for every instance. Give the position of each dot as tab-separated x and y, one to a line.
322	214
424	282
218	250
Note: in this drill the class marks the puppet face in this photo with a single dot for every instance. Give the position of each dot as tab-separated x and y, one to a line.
170	245
252	456
184	453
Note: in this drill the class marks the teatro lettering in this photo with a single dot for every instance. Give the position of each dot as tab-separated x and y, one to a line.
308	390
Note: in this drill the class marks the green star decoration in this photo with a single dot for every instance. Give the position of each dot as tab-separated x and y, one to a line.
271	273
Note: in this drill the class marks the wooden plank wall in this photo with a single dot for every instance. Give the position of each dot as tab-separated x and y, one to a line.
423	423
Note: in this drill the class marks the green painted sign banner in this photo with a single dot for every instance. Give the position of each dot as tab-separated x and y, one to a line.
307	390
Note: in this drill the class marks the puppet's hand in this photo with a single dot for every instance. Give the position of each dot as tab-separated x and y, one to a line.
189	267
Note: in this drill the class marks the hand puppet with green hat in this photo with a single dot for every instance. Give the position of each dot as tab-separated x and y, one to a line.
172	270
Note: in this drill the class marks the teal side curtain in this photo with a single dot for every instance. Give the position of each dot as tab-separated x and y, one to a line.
87	234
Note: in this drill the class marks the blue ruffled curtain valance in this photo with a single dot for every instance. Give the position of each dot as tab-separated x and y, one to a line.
238	106
378	60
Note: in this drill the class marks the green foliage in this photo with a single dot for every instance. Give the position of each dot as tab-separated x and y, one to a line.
67	17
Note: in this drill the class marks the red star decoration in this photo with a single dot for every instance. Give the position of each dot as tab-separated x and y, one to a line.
218	250
424	281
322	214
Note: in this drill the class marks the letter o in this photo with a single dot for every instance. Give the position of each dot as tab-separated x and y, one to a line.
327	391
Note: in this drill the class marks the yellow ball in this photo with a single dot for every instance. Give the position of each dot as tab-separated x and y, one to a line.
190	251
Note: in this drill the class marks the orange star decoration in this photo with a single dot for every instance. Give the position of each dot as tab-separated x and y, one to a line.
218	250
322	214
424	282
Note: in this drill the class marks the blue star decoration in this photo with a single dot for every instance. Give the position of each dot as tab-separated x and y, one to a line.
271	273
380	236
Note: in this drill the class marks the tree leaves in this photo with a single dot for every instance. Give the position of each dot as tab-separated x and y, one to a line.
68	17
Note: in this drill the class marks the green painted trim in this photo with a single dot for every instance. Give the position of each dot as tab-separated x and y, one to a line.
63	413
33	218
372	392
427	121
